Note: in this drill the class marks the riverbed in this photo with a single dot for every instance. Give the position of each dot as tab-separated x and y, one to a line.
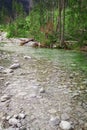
49	84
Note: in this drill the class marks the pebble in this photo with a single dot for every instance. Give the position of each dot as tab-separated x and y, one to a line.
54	121
42	90
65	125
5	98
15	66
13	121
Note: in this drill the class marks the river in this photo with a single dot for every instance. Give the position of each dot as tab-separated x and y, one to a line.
62	74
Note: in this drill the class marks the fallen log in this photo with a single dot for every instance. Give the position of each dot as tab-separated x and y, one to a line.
26	41
84	48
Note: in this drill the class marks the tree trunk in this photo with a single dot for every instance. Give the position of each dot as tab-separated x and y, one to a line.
63	24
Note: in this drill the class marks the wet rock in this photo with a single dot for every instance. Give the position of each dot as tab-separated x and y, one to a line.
54	121
65	125
65	116
15	66
21	116
27	57
13	121
5	98
42	90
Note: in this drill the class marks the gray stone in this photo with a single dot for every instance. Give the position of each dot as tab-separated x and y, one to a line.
65	125
5	98
21	115
8	117
15	66
54	121
13	121
42	90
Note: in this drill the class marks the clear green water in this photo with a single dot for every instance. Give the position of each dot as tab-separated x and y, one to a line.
68	59
64	58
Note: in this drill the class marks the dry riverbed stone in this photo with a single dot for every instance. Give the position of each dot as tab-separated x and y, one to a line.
15	66
5	98
65	125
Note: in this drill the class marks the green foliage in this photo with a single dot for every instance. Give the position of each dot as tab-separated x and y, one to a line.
76	21
43	12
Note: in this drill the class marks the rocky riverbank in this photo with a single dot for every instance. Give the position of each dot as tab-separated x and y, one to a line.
39	94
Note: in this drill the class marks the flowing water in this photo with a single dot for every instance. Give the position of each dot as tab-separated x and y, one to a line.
63	75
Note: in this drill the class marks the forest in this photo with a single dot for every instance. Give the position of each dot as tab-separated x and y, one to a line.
53	23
